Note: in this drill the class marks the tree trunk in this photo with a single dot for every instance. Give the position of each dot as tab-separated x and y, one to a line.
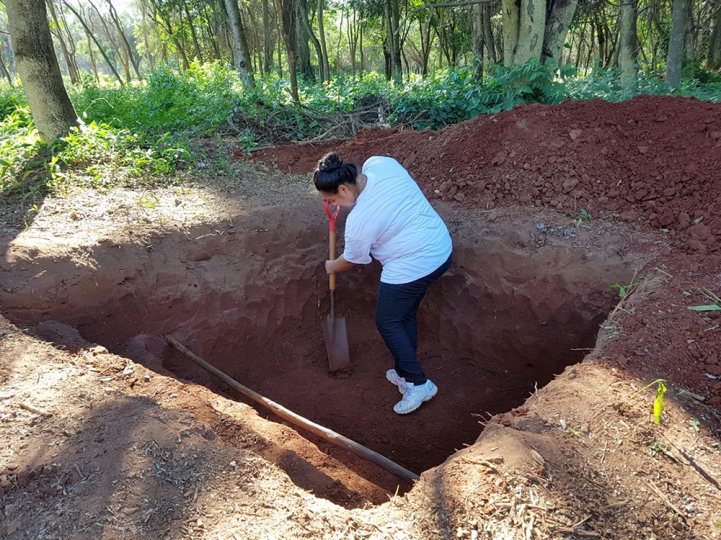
302	36
674	58
4	68
91	34
478	39
127	49
426	41
91	55
212	38
713	60
387	60
360	46
560	15
321	38
511	13
352	34
193	33
148	56
394	49
67	53
121	58
488	34
690	33
267	42
295	36
337	46
628	49
52	110
531	30
288	33
240	43
308	31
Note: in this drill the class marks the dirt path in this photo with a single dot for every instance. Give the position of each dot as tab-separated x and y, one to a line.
109	433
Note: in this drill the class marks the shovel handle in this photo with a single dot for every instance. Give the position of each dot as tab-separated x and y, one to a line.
331	251
332	218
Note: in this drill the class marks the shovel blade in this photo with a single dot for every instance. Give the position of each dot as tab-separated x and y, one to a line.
336	343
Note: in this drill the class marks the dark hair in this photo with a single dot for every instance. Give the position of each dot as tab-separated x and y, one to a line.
332	173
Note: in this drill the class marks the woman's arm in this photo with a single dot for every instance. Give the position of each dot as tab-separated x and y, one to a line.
338	265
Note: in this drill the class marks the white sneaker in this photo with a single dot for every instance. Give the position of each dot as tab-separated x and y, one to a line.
400	382
414	396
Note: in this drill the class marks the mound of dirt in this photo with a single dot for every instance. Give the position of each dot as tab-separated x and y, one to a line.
654	161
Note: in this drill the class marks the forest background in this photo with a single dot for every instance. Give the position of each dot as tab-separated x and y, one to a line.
105	93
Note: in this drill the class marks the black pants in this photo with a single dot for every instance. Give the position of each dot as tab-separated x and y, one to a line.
396	321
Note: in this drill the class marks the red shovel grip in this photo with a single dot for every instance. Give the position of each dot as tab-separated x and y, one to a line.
332	216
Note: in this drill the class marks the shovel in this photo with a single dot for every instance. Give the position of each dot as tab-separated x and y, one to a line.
336	337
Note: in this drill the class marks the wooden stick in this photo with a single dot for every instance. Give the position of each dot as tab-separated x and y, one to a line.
324	433
665	499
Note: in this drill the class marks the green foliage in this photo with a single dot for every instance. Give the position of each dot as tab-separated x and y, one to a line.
194	102
21	156
583	215
93	155
693	72
454	95
345	93
623	290
658	402
138	134
100	156
715	306
10	99
606	85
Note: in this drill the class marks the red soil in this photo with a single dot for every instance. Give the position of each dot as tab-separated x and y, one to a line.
653	160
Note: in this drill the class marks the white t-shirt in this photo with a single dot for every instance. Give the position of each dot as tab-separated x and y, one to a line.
394	222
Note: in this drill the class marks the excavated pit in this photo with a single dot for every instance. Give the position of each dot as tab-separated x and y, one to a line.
522	301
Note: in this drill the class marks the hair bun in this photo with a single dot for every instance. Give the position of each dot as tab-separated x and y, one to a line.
330	163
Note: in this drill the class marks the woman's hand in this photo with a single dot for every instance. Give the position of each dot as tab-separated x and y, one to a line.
337	265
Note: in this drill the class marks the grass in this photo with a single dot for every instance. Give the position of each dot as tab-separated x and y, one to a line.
716	302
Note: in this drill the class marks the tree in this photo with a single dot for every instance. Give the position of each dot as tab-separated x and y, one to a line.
3	67
713	60
628	50
392	14
242	63
52	110
68	47
524	25
267	42
295	26
674	58
560	15
91	35
325	70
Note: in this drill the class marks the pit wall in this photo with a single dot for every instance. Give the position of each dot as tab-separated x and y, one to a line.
513	311
259	287
251	299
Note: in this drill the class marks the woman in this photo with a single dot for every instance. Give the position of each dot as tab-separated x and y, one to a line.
393	222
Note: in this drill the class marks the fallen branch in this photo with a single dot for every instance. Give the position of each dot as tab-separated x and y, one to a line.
324	433
34	409
665	499
577	532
